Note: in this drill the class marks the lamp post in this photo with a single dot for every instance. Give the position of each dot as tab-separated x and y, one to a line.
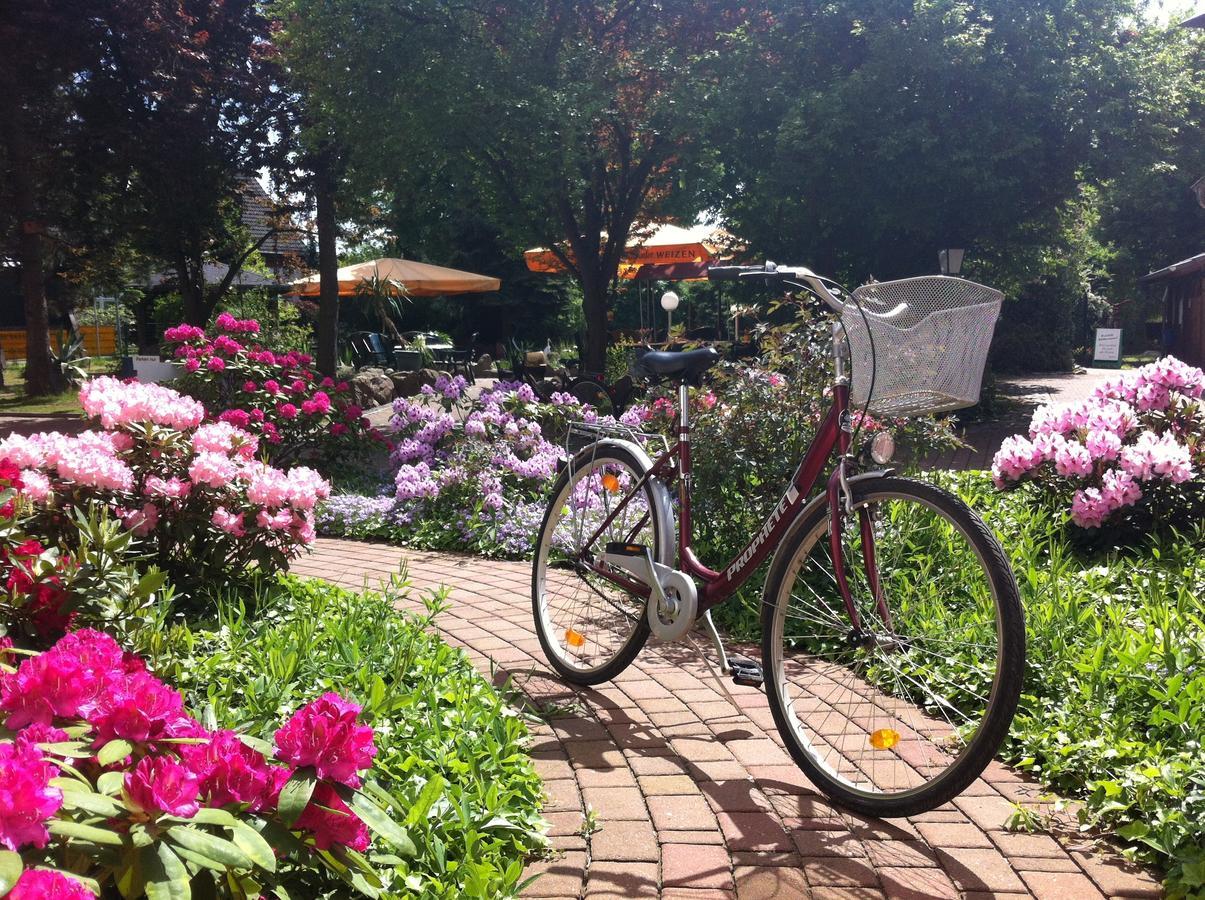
669	302
951	261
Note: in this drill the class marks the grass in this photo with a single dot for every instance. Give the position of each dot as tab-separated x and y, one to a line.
450	747
13	399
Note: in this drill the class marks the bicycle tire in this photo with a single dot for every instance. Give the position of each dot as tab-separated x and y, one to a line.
1009	671
662	549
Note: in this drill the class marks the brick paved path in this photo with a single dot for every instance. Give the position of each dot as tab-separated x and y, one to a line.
695	798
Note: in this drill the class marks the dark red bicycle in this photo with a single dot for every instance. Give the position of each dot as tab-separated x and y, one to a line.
893	638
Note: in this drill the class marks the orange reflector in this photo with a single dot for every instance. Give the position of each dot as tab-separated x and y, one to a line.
611	483
574	638
884	739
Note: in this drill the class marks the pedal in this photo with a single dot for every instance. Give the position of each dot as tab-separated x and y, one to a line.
745	671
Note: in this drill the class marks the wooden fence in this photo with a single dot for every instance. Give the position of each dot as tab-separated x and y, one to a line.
99	340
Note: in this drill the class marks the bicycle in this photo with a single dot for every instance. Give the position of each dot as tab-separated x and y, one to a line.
893	638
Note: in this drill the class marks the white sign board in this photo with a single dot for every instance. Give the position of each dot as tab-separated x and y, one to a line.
151	368
1108	345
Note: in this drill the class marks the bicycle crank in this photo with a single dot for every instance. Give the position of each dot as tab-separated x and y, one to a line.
673	601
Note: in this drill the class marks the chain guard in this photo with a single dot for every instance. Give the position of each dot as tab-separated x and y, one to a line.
680	588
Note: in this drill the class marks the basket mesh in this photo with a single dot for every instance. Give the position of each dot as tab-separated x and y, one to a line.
930	341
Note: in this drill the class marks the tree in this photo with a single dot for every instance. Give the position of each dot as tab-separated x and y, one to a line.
568	122
866	135
126	119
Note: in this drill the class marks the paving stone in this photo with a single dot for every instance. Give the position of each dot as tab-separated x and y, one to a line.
900	854
1116	877
624	841
769	883
1012	845
917	884
838	871
681	813
754	831
621	879
979	870
695	865
616	803
668	784
954	834
560	877
1061	886
812	843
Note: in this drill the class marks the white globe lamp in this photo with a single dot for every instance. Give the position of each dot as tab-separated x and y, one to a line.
669	302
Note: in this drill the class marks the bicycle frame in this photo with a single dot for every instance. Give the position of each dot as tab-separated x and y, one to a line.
834	435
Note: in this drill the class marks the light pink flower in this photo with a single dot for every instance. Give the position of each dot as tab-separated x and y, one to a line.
141	521
228	522
213	469
172	488
35	485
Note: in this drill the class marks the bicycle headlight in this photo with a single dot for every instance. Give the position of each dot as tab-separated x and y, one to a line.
882	448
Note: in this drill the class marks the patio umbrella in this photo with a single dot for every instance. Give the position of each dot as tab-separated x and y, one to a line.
654	245
418	279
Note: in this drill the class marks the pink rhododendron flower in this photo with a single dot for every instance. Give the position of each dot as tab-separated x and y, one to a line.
192	365
213	469
47	884
272	386
331	822
141	521
223	437
305	487
231	772
216	364
326	734
139	707
26	798
118	403
1072	459
35	485
267	486
286	410
228	521
171	488
281	520
240	418
160	784
23	452
249	387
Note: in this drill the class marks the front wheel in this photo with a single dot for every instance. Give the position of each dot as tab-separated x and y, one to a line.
902	714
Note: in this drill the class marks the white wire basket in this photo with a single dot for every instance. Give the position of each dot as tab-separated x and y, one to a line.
919	345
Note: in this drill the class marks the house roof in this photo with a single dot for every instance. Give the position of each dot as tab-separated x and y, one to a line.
1177	270
260	214
1197	21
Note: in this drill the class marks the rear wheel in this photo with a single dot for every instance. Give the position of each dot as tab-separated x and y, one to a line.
901	715
589	627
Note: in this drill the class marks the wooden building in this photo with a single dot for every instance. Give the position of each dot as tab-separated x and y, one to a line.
1181	288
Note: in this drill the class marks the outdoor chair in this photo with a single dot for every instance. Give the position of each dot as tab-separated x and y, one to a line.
369	349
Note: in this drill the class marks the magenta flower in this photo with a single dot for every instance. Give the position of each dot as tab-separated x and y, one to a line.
160	784
287	410
139	707
47	884
231	772
325	734
26	798
331	822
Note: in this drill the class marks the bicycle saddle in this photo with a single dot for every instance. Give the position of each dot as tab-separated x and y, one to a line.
688	365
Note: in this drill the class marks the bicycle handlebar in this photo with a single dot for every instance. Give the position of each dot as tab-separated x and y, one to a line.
773	272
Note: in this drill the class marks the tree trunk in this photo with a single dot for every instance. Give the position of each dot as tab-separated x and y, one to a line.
191	293
39	372
328	272
594	310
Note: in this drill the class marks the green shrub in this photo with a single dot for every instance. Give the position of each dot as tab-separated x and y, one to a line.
451	749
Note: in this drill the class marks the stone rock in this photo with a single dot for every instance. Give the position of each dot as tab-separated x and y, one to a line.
372	387
428	376
406	384
485	366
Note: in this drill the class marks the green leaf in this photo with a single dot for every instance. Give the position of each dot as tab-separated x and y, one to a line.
166	876
110	783
90	801
295	795
380	822
253	844
114	752
216	848
11	868
89	833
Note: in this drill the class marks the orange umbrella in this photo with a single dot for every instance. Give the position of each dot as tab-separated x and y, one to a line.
663	244
415	278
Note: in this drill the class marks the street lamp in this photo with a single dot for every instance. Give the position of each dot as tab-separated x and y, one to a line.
951	261
669	302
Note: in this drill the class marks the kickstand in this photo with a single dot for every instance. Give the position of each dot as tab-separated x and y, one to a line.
718	643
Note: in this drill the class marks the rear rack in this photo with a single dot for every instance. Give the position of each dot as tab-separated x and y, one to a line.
582	434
